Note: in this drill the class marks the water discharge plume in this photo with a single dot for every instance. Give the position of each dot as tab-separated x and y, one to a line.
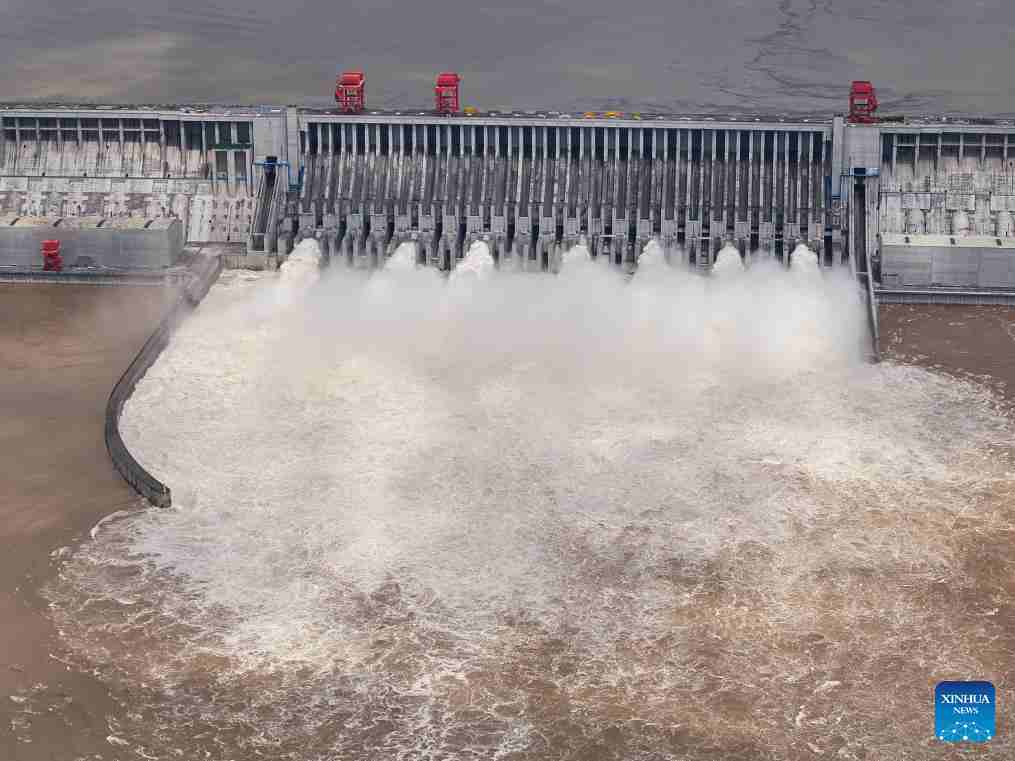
503	514
728	261
477	264
303	265
804	260
399	294
652	257
576	255
403	258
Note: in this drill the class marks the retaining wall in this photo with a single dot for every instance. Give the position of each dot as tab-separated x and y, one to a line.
888	295
95	277
205	272
130	243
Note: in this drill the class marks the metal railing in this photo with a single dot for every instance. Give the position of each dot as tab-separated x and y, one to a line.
943	295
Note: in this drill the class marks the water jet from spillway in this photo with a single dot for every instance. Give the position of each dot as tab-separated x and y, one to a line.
304	259
728	261
804	261
300	270
478	264
575	256
403	258
652	257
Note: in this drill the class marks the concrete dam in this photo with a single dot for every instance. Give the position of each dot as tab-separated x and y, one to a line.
925	201
468	493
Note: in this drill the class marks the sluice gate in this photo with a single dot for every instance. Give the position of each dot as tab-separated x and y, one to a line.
534	187
914	202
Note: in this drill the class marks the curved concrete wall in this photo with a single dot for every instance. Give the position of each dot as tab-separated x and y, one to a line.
206	272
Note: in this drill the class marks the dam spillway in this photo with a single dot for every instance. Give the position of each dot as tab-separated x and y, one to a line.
531	184
534	187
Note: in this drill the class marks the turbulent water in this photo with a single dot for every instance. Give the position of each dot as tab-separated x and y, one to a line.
517	516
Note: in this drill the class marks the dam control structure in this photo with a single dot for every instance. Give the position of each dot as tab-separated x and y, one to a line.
919	202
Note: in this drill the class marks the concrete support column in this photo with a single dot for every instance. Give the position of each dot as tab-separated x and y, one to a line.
16	153
163	162
184	147
121	171
204	157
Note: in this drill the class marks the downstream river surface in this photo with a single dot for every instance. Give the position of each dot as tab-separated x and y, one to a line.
508	516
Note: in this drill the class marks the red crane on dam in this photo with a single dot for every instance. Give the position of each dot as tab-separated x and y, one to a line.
350	92
863	102
446	93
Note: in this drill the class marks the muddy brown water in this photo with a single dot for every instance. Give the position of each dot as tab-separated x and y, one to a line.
62	347
765	689
975	342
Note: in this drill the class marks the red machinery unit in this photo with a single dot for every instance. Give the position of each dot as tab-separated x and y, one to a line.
51	260
350	91
446	92
863	102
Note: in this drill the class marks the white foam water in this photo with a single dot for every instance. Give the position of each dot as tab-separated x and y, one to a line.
403	258
477	264
652	256
576	256
728	261
303	265
506	514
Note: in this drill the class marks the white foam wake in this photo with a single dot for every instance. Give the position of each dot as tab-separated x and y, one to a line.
431	505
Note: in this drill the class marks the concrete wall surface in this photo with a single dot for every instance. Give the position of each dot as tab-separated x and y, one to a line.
925	260
110	243
203	275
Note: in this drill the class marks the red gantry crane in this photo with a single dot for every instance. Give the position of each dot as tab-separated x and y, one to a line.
863	102
350	92
446	93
